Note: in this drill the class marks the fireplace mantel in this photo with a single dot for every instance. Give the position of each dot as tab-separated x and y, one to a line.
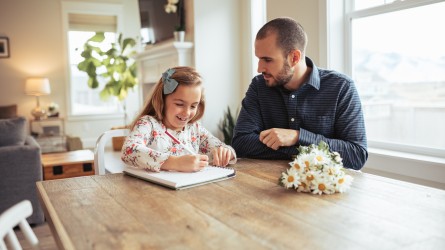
153	61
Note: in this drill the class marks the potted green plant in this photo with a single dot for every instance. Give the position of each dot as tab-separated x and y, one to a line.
227	125
118	67
120	72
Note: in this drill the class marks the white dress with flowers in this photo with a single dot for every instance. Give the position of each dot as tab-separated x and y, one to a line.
148	146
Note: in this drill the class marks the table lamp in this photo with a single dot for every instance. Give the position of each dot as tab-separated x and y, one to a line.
37	87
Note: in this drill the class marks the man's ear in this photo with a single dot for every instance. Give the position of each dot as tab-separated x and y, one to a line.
295	57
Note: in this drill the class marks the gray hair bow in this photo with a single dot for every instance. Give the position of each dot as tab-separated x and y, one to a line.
169	83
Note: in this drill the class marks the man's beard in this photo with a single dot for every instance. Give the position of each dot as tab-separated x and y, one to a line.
282	78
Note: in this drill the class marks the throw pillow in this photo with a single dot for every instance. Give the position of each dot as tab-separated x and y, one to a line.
8	111
12	131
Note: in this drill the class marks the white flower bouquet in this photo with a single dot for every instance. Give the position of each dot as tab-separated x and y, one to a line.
316	170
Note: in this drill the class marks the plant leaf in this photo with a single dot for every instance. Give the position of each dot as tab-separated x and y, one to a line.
128	41
98	37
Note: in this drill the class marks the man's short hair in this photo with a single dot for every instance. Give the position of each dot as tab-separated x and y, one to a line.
290	34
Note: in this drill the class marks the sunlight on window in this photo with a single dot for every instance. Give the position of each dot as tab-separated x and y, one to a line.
84	100
398	64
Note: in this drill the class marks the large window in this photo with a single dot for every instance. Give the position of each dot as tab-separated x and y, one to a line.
80	22
397	59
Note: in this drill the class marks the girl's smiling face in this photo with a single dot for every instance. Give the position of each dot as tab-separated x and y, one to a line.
181	106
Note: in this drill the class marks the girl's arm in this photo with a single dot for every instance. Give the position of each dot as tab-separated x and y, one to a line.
135	151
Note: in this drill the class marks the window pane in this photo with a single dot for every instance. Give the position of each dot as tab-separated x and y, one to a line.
84	100
398	63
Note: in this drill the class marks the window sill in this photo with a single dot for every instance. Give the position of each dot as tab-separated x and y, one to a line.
410	166
407	156
79	118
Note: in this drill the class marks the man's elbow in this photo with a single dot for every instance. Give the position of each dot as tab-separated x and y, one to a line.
360	159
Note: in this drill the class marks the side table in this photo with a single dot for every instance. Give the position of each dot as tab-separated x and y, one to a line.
67	164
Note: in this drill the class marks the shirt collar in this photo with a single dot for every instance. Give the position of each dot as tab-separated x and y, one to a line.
314	77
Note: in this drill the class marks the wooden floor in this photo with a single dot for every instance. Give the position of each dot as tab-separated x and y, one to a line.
43	233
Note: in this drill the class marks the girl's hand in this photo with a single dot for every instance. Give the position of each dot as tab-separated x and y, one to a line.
186	163
221	156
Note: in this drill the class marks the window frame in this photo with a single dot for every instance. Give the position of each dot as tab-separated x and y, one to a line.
338	28
92	9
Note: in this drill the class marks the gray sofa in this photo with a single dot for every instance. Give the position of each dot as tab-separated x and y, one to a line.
20	167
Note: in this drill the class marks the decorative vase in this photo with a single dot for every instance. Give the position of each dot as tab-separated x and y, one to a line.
179	36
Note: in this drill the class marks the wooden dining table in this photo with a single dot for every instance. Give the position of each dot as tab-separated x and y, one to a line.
250	211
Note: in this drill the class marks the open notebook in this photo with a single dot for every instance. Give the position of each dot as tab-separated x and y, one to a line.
180	180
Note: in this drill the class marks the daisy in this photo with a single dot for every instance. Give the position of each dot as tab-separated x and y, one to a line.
343	183
331	170
306	161
298	165
320	157
290	179
320	185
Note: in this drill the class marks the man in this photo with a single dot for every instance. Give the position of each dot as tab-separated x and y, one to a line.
295	103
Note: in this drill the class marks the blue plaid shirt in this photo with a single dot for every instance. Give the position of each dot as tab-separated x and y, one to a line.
327	107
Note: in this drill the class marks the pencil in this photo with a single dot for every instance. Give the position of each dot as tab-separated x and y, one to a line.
179	142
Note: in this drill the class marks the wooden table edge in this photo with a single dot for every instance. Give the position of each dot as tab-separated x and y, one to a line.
58	231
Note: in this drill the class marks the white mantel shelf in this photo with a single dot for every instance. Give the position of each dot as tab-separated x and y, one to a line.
168	49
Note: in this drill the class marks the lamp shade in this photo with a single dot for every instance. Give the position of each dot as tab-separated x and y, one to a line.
37	86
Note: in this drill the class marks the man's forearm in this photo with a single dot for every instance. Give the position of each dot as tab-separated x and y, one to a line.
250	146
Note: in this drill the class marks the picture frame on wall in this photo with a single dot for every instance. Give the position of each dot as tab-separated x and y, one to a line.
4	47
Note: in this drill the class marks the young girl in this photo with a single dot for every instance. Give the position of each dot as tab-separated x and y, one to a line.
177	103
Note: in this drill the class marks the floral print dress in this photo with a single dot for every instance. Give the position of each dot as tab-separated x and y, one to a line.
148	146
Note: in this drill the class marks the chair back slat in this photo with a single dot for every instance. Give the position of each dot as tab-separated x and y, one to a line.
13	216
99	151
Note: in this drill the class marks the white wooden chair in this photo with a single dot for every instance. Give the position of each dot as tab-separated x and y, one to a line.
102	165
16	215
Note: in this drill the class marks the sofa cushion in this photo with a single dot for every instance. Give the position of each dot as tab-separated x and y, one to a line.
12	131
8	111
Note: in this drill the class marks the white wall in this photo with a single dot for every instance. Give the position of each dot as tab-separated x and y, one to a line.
35	50
218	56
306	12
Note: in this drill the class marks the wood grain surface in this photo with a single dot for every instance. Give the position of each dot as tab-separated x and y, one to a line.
250	211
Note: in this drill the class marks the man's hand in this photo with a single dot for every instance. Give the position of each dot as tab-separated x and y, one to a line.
275	138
